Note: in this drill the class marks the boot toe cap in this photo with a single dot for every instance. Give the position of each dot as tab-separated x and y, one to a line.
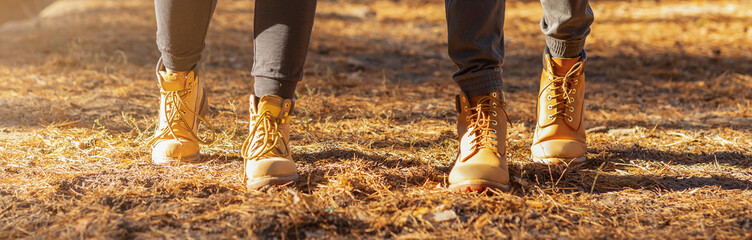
270	167
559	148
169	151
479	172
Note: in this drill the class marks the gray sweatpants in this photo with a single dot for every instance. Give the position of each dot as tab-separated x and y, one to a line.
476	38
282	30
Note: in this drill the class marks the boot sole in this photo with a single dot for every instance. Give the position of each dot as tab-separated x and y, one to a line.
477	186
267	181
561	162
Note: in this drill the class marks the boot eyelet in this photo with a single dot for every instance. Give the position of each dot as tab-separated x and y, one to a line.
493	94
494	122
467	119
571	109
493	103
548	97
493	131
569	119
571	100
493	113
574	91
576	81
550	107
466	107
550	116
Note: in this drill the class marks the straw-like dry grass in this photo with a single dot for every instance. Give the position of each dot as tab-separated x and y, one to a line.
670	85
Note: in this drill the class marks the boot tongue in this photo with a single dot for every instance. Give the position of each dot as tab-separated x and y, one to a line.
562	65
270	103
172	81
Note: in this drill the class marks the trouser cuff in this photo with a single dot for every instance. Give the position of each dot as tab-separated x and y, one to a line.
269	86
481	84
565	48
180	64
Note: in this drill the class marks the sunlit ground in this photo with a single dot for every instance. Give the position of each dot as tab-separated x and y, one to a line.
668	113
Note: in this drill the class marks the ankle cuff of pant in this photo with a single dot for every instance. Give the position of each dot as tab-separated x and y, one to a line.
180	63
564	48
269	86
481	84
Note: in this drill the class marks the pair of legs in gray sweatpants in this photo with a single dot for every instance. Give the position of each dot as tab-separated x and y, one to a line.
282	29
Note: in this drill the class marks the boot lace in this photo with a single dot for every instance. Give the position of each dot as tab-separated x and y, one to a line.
173	114
267	127
481	125
563	92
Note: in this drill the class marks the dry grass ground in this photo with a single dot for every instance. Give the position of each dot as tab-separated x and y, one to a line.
669	113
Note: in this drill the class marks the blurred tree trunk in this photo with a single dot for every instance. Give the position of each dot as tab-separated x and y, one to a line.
19	9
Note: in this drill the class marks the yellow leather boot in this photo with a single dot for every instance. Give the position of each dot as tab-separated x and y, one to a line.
559	133
482	127
182	104
266	151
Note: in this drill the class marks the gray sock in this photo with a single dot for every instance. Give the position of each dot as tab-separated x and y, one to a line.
570	53
564	49
481	83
